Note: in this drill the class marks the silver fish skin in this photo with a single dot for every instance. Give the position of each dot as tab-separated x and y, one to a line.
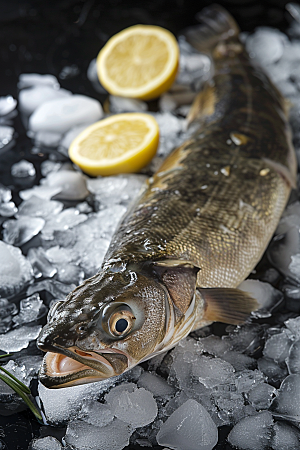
196	232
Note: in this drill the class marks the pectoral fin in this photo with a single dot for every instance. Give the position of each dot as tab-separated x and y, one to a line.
227	305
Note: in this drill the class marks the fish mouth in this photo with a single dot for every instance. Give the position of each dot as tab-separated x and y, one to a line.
73	366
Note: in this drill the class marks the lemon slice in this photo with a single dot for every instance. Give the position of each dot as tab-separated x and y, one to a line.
120	143
139	62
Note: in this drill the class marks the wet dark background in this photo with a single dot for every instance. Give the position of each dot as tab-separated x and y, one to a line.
48	36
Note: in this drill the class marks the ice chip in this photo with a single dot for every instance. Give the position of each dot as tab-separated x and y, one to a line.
68	218
31	309
190	427
55	288
72	134
42	192
293	326
40	263
286	437
212	371
95	413
123	104
70	273
253	432
36	207
23	169
17	339
30	99
5	194
137	408
32	79
6	135
266	295
22	230
293	360
272	370
266	45
155	384
72	184
82	436
50	166
277	347
7	105
45	443
8	209
261	396
62	114
15	270
93	77
46	138
287	402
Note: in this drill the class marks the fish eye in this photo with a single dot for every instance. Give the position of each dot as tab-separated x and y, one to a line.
121	322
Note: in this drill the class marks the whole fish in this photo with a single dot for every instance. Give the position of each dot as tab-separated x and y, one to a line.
195	233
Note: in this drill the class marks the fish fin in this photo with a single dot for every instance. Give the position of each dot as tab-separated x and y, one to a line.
227	305
180	281
289	177
217	25
203	105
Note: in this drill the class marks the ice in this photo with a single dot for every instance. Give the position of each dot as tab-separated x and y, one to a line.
68	218
36	207
261	396
119	189
266	295
95	413
23	169
31	309
22	230
82	436
266	45
30	99
47	138
8	209
273	371
171	130
15	270
71	135
293	360
277	347
42	192
190	427
69	72
59	255
212	371
32	79
292	297
6	135
123	104
55	288
138	408
7	310
50	166
17	339
286	437
155	384
7	105
194	67
62	114
253	432
287	402
72	184
93	77
45	443
40	264
174	99
293	326
5	194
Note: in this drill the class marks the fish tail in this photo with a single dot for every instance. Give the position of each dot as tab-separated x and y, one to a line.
216	25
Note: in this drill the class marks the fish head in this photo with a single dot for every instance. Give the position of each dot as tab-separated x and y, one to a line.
105	327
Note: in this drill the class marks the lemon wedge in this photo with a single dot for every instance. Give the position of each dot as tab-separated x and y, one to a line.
139	62
121	143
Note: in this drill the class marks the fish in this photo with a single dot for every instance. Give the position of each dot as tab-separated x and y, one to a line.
197	230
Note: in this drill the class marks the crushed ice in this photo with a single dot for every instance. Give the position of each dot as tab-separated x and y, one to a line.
247	379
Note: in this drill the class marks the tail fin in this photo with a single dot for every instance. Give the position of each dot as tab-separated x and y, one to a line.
217	25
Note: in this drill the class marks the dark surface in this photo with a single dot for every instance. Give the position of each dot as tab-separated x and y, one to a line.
46	36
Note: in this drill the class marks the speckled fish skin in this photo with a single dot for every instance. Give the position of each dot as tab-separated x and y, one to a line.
198	229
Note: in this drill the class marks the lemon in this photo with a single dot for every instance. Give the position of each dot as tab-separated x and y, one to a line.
139	62
121	143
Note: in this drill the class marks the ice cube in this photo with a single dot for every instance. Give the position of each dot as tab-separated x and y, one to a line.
45	443
31	309
43	192
93	77
72	184
95	413
261	396
8	209
82	436
15	270
55	288
293	325
58	255
266	295
293	360
7	105
6	135
273	371
70	273
22	230
36	207
155	384
72	134
17	339
266	45
7	310
137	408
123	104
190	427
62	114
46	138
252	432
30	99
32	79
23	169
40	263
212	371
68	218
277	346
286	437
287	402
294	10
50	166
5	194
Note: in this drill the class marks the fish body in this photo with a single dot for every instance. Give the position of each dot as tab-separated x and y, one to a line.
197	230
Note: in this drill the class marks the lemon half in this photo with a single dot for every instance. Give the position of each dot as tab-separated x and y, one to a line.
118	144
139	62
